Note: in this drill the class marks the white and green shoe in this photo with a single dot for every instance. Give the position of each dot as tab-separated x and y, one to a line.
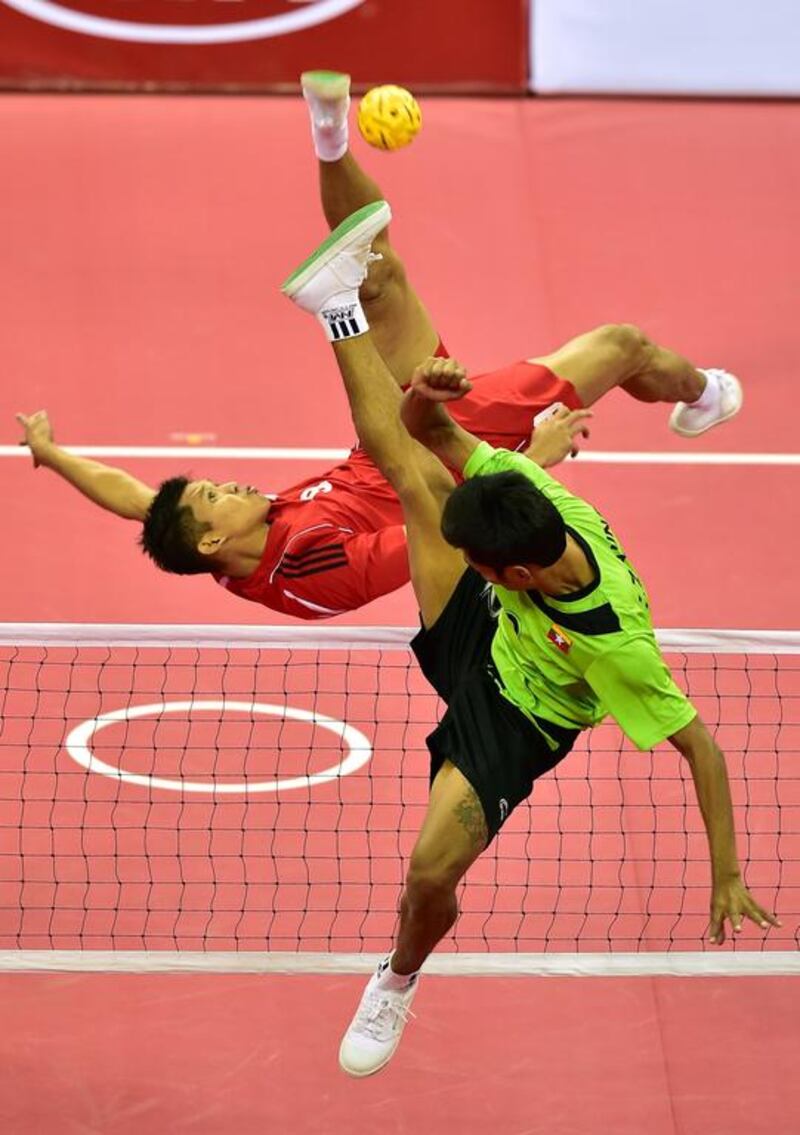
326	283
327	94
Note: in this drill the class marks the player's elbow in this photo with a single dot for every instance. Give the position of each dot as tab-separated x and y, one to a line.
694	741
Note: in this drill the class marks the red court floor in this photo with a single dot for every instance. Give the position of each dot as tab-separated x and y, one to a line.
121	1055
139	283
142	301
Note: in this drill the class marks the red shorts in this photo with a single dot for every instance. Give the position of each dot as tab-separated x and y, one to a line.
502	404
499	409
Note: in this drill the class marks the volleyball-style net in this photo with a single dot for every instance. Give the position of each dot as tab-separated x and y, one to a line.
247	789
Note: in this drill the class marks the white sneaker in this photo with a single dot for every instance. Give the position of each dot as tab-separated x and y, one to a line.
327	283
375	1030
690	419
328	96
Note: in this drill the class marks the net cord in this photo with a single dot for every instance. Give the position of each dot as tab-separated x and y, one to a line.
232	637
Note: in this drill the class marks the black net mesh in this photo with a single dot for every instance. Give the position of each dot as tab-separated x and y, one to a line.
213	838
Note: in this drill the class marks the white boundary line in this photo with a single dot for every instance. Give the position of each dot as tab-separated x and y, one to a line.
245	452
680	964
226	636
289	453
623	457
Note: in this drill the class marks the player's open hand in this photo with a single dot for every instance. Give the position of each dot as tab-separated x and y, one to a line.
38	435
440	380
731	900
558	437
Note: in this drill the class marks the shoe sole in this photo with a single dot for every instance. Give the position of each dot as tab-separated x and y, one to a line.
325	84
371	1072
717	421
352	229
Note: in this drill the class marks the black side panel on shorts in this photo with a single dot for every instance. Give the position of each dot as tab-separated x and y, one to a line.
460	640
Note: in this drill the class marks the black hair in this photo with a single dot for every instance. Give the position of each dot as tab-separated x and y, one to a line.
503	519
171	532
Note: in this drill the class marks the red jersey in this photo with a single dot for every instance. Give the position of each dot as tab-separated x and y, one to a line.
337	541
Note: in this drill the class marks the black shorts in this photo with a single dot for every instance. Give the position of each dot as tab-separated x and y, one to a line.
498	749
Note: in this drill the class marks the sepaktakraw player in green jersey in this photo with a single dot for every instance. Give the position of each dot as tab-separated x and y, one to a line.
535	626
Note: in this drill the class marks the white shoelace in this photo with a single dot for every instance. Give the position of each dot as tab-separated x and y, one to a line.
381	1015
364	271
353	265
724	382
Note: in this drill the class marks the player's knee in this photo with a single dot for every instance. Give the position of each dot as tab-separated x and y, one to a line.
385	276
626	342
433	877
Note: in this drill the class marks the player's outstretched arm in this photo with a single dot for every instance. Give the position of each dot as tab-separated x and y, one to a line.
111	488
635	686
730	898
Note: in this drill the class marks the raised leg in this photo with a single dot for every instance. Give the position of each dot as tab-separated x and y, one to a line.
619	354
401	327
419	479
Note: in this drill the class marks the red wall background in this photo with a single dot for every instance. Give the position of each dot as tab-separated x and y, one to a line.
467	45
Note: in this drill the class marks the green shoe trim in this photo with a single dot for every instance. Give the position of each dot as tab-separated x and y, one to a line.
324	76
347	225
326	84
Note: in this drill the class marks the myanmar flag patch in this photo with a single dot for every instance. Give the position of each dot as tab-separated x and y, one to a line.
560	639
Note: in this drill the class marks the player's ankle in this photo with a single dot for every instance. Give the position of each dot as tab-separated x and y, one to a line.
330	145
389	979
709	395
343	318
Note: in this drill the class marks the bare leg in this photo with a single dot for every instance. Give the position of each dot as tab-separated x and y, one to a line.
419	479
453	835
345	187
622	355
401	327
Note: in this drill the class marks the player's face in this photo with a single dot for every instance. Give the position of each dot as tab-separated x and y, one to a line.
231	509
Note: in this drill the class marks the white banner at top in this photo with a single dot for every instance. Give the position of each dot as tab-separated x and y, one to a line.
683	47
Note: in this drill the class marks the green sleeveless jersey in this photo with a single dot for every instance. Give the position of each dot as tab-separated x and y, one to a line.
574	659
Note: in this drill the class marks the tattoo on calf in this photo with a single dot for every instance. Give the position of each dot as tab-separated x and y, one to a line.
469	813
